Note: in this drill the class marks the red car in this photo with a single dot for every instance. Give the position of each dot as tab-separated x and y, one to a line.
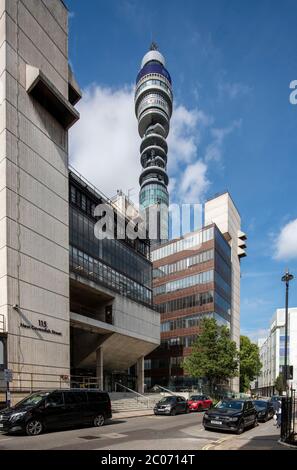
199	403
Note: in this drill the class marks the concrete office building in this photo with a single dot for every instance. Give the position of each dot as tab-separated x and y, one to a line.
195	277
54	319
272	352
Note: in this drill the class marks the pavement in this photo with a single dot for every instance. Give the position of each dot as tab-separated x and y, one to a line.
131	414
149	432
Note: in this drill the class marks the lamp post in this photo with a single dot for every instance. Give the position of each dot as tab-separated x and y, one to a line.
286	278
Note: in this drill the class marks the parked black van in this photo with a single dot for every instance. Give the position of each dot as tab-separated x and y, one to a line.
56	409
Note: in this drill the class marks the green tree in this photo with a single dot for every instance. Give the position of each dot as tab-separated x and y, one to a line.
214	355
250	364
280	384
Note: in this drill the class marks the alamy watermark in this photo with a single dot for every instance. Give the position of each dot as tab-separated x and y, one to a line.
293	94
175	220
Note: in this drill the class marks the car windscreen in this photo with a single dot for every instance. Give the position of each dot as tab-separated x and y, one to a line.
33	399
232	405
167	400
260	403
197	397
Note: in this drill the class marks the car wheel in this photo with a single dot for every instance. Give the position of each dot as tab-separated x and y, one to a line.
256	422
200	408
98	421
173	412
240	428
34	427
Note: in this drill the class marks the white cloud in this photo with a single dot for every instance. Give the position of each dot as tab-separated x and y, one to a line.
104	144
185	133
286	242
254	335
194	183
215	149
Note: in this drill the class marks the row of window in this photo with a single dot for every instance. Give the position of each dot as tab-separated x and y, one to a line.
87	205
82	201
223	267
111	251
190	301
152	99
191	321
187	243
154	175
185	341
184	322
189	281
153	194
222	243
85	265
183	264
156	75
222	303
223	284
153	82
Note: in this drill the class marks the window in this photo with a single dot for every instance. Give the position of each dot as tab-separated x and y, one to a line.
183	244
189	281
95	397
183	264
70	398
55	399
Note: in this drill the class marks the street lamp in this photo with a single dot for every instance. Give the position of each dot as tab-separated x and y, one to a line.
286	278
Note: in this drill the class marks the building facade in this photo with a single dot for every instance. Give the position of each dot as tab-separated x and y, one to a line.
153	108
195	278
38	93
272	352
112	322
71	306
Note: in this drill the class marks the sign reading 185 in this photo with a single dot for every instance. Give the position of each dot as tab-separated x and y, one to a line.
42	323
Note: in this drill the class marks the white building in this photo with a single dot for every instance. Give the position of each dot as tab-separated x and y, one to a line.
222	211
272	351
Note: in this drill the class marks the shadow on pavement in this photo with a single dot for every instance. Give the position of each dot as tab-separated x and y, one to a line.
267	442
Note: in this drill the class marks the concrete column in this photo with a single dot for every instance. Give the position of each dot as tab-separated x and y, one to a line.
99	367
140	374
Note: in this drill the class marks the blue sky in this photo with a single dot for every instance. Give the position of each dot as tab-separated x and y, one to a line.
234	128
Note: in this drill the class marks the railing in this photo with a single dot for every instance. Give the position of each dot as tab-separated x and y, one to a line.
159	387
288	418
28	382
139	397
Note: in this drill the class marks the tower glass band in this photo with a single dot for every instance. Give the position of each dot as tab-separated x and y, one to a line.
153	109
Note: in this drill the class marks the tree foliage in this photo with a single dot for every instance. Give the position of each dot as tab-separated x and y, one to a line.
250	364
280	384
214	355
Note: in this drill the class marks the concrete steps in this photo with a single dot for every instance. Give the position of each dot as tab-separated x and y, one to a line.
127	402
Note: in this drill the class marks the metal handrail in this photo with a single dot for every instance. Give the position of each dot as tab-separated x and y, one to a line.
136	393
129	389
166	390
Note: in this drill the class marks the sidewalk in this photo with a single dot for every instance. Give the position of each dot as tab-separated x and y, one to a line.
261	439
131	414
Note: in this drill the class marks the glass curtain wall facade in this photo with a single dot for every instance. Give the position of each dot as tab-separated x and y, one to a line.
191	281
121	265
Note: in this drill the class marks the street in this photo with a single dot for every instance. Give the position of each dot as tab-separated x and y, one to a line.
179	432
